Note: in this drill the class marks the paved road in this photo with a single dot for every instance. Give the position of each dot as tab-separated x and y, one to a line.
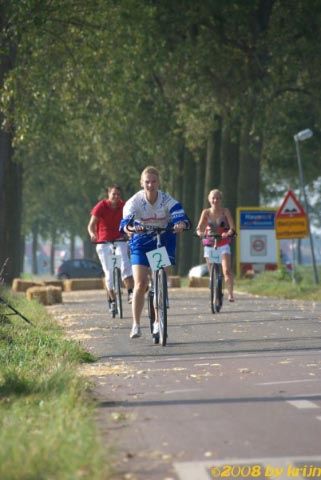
239	391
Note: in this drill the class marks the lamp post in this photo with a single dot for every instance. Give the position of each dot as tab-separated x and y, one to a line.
300	137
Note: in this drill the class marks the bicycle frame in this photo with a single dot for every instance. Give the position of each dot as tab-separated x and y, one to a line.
158	301
157	307
116	277
216	275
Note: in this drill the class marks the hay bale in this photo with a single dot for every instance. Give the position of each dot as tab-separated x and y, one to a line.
83	284
198	282
19	285
54	295
53	283
174	281
39	294
46	295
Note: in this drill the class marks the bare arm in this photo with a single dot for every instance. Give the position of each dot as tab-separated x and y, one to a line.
230	222
200	229
92	228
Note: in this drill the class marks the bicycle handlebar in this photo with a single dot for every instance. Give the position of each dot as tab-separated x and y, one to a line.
216	236
151	229
110	241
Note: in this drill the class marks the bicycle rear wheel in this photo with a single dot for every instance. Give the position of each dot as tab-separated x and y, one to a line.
117	289
216	295
212	287
151	309
220	294
216	288
161	304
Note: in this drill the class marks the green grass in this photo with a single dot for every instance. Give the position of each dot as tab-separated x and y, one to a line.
47	425
279	284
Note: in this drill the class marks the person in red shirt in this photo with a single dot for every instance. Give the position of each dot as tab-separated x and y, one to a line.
104	227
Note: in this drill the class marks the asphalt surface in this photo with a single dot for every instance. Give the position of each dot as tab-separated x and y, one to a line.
233	395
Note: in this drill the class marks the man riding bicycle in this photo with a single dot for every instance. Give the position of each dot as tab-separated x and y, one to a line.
103	227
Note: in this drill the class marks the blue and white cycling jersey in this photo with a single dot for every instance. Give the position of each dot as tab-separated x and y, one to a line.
164	212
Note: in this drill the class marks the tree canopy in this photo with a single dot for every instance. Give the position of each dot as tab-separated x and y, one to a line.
210	92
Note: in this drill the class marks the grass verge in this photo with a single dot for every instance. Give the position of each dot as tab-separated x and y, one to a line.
280	284
47	425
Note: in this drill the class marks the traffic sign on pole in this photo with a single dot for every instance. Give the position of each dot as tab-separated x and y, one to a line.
291	220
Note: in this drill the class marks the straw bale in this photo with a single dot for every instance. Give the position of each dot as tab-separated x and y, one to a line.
83	284
174	281
19	285
38	293
198	282
54	283
54	294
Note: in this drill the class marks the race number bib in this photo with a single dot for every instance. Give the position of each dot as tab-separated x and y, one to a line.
158	258
113	261
214	255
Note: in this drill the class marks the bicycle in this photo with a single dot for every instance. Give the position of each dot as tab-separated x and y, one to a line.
113	262
157	299
216	273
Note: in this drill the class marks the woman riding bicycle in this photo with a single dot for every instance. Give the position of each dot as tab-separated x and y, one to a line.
218	220
149	206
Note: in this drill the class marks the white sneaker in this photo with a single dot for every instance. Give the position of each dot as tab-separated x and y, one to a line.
136	332
156	328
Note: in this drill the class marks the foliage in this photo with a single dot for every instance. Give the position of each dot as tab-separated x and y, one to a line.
279	284
47	420
100	89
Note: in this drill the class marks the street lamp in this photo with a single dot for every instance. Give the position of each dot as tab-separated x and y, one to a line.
300	137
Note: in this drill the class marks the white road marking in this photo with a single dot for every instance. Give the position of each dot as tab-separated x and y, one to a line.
302	404
281	382
275	467
183	390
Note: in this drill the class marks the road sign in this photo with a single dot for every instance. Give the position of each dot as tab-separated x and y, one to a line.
256	245
291	220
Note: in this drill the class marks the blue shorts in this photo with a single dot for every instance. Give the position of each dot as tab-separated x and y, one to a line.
138	249
140	258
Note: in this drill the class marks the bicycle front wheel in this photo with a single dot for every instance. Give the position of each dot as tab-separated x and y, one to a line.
212	287
216	289
161	304
117	290
151	309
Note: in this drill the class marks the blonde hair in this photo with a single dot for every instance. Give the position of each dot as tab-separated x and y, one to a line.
213	192
151	170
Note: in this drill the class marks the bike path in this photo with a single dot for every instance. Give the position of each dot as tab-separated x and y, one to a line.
226	387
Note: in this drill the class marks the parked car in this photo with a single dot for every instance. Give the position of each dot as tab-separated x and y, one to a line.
79	268
198	271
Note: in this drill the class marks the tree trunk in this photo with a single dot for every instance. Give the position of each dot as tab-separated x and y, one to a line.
10	182
188	202
229	165
52	252
198	207
72	245
249	171
89	249
179	195
212	168
35	249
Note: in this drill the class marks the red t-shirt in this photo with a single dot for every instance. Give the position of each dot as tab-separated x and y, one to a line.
108	220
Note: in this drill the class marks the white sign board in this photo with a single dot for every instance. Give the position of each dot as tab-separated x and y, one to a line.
158	258
256	242
113	261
